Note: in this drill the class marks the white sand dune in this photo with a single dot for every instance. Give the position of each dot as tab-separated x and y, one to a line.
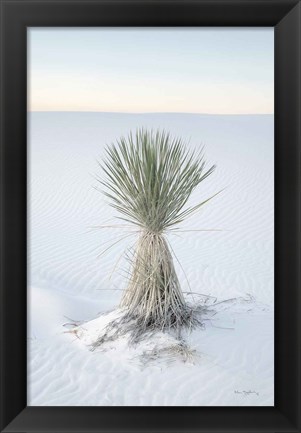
69	281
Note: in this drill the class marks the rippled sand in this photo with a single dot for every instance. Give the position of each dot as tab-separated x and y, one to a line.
69	281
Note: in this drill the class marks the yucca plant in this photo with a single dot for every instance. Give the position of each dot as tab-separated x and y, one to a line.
149	177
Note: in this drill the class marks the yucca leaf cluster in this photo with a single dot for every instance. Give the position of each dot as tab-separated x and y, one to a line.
150	177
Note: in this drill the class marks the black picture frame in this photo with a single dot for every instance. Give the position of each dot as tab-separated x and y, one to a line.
16	16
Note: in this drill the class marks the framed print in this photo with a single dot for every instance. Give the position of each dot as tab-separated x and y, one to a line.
150	161
136	261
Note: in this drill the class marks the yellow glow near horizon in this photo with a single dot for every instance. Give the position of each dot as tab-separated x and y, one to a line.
78	95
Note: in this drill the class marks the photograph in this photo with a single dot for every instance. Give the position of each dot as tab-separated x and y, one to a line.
150	216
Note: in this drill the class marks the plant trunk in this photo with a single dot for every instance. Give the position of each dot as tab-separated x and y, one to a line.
153	294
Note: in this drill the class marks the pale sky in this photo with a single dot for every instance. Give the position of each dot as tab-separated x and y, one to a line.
187	70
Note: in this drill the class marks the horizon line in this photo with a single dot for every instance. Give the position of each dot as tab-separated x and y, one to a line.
151	112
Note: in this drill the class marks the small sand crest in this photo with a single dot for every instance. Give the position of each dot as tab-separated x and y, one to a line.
113	332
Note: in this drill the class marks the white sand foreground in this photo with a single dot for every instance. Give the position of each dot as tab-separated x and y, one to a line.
69	281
